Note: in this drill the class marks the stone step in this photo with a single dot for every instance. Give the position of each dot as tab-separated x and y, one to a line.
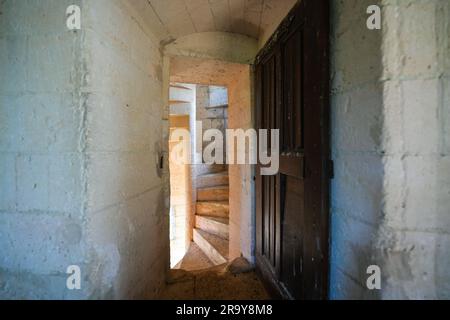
215	248
219	209
172	129
220	106
201	169
214	225
213	179
177	86
219	193
194	259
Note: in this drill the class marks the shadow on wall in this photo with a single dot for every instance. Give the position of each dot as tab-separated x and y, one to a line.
390	107
356	128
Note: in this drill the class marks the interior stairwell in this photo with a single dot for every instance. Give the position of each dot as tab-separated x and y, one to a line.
212	214
211	229
206	271
208	217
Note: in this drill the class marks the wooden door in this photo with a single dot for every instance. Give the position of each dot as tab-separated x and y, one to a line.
291	84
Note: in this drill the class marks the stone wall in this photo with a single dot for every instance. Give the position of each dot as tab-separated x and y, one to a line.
80	182
127	227
356	124
242	186
413	240
390	111
42	111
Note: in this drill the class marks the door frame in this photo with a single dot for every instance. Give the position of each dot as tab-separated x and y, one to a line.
317	8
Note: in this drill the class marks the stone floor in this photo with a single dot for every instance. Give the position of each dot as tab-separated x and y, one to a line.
194	260
234	281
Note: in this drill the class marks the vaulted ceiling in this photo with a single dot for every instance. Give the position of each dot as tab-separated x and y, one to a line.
171	19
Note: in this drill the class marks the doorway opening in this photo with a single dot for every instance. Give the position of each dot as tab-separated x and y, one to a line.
199	192
212	209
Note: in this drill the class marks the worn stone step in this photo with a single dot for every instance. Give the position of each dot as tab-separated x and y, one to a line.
213	179
213	208
219	193
201	169
194	259
214	225
214	247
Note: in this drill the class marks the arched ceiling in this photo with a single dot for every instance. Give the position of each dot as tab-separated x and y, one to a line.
171	19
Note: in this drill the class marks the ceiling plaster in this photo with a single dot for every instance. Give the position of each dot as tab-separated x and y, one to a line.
201	71
171	19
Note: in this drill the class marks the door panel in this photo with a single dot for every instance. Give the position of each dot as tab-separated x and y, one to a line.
292	111
269	183
291	83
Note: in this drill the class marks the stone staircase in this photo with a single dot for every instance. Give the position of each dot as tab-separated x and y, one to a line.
212	213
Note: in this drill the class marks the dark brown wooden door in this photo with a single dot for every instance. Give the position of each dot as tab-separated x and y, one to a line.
291	83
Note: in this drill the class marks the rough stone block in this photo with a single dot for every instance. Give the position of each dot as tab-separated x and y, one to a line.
40	243
409	266
115	125
65	184
115	178
392	135
51	66
352	254
394	181
420	116
420	194
218	96
354	45
32	182
442	278
445	84
418	58
55	116
358	185
13	59
357	119
30	286
28	17
8	185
